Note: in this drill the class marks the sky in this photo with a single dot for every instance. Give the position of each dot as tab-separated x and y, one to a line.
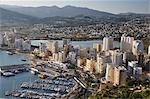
113	6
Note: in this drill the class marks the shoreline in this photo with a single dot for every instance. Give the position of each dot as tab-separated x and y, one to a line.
74	39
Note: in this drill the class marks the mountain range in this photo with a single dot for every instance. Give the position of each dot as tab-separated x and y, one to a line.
44	11
11	15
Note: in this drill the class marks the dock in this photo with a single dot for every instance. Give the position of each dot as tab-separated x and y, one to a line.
13	67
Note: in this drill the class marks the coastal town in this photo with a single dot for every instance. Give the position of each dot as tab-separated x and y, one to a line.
65	70
74	49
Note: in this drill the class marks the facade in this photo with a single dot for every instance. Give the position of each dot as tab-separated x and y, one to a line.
1	40
52	46
92	53
101	63
66	42
126	43
117	57
107	43
120	75
19	44
61	56
23	45
116	74
97	47
149	49
109	73
55	57
137	71
140	59
42	47
72	57
131	66
137	47
133	63
9	39
26	45
90	65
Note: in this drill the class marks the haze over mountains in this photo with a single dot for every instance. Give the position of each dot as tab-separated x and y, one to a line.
11	15
44	11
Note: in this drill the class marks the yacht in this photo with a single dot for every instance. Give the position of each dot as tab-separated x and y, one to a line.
9	53
8	74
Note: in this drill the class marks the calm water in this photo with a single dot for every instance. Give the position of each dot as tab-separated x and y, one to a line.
6	59
11	83
83	44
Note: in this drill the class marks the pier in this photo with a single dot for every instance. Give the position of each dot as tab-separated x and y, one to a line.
7	49
13	67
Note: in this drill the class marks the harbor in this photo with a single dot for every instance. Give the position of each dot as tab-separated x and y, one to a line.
57	87
14	82
25	83
47	79
17	75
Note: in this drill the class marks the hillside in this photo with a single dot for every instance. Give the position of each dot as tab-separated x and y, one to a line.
45	11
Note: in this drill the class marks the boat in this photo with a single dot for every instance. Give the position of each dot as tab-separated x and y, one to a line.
9	53
24	60
33	72
17	71
17	94
23	95
8	74
42	76
7	93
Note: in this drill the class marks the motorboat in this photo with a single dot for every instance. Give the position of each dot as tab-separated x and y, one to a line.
8	74
9	53
23	59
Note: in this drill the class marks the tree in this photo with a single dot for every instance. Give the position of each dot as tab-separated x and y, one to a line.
137	95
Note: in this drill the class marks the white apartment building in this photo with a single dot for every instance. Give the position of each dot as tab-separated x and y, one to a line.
137	47
126	43
107	43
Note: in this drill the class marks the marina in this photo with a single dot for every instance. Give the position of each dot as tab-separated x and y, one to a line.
49	88
52	70
15	76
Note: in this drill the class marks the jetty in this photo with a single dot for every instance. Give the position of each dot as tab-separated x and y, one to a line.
13	67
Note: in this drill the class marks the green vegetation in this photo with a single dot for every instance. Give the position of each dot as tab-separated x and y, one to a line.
146	42
135	89
120	92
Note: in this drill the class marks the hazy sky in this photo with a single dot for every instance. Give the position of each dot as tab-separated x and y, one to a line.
113	6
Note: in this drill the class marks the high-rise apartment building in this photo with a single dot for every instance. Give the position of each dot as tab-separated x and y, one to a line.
149	49
107	43
117	57
126	43
1	40
109	73
116	74
101	63
120	76
53	46
42	47
137	47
